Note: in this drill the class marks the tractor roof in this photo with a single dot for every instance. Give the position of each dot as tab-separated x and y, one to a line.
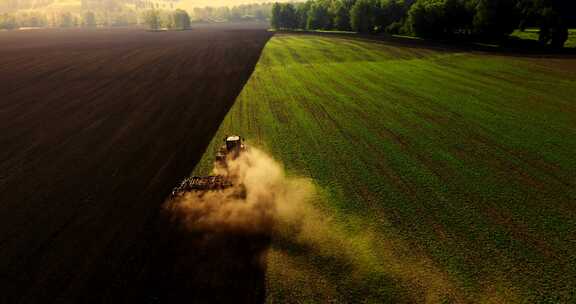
233	138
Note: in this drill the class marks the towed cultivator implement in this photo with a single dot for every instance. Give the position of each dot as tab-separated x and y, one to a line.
232	148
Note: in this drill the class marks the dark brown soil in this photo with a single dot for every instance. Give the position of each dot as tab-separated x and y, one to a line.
96	128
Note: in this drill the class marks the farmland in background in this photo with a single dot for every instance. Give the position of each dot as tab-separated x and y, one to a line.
448	173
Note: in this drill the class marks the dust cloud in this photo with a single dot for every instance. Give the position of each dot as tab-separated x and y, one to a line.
306	243
265	201
261	197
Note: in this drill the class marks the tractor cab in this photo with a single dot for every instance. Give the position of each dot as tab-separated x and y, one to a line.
233	146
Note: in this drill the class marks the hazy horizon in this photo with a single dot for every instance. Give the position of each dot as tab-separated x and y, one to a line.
76	5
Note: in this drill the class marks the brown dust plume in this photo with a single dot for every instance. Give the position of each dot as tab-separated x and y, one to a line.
310	254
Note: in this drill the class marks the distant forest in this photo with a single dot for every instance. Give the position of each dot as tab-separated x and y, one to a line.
246	12
179	19
446	19
154	13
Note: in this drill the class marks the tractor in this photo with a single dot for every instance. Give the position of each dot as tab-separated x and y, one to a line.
232	148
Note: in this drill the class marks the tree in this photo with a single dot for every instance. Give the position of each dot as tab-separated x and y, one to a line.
152	19
362	16
8	22
426	18
392	15
89	19
496	18
276	16
459	16
235	15
66	20
391	11
442	18
223	13
342	18
31	19
284	16
554	17
386	12
181	20
319	17
302	11
289	19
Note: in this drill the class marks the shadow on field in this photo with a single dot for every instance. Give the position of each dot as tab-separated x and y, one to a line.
511	47
202	267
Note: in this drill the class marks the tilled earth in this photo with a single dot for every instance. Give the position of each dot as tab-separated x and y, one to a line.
96	128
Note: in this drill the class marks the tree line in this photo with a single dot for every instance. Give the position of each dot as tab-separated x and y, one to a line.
9	21
172	20
245	12
180	19
446	19
154	18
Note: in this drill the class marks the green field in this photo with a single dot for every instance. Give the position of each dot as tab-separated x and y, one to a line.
447	176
